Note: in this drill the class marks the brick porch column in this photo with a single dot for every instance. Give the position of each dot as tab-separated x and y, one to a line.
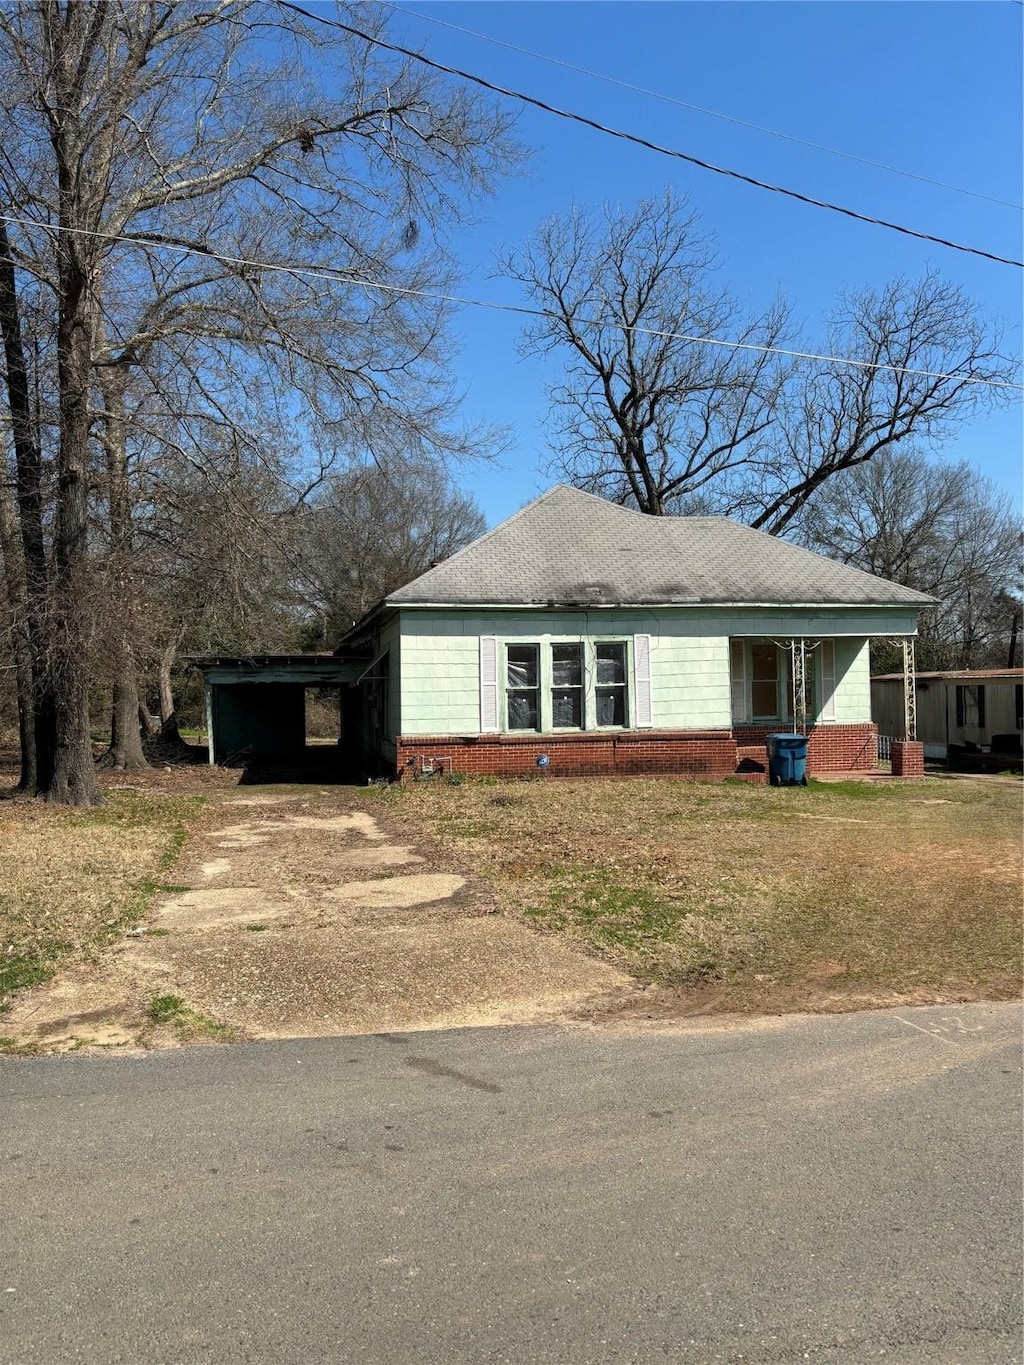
907	758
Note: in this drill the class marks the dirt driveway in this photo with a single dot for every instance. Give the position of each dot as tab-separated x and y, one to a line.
296	913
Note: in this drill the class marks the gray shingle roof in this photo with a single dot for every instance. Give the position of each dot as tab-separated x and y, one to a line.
569	547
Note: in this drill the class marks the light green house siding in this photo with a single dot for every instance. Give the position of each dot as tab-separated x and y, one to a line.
439	657
391	642
853	682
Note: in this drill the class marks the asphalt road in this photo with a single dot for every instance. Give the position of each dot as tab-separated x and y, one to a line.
839	1189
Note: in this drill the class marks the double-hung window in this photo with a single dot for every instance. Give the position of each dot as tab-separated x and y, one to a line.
764	681
567	687
612	687
762	684
523	687
554	685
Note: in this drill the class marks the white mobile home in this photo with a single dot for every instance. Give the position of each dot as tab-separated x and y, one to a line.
965	708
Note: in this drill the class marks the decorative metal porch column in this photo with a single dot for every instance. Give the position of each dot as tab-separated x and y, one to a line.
798	672
909	689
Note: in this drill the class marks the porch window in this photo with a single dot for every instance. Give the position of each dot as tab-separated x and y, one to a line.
764	680
523	687
761	681
567	687
612	687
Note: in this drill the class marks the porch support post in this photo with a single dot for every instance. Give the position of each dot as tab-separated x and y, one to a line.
909	689
798	671
209	723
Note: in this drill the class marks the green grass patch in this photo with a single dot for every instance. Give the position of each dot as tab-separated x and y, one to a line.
164	1009
171	1011
18	973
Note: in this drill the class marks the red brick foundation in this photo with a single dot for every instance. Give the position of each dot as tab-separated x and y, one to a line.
830	748
907	758
707	754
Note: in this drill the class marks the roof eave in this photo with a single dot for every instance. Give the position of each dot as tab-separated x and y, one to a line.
913	604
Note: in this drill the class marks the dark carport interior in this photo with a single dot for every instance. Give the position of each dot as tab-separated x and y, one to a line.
256	714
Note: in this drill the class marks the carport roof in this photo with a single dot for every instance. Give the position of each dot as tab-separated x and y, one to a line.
207	661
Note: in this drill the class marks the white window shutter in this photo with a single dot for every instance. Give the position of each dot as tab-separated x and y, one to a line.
738	679
488	684
828	680
643	706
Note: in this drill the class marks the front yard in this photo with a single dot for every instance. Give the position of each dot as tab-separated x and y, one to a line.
72	882
738	897
715	897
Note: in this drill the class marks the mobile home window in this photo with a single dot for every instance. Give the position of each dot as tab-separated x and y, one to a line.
523	687
567	687
970	707
611	689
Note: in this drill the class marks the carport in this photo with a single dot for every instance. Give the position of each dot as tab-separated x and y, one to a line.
256	708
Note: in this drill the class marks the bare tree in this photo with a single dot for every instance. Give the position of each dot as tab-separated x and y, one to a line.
372	530
647	413
22	540
652	411
208	132
940	527
927	363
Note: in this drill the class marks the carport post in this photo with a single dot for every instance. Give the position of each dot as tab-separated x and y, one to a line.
209	722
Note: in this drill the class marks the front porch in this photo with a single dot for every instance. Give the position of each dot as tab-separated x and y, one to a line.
791	684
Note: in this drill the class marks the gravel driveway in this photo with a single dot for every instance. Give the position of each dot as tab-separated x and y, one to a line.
296	914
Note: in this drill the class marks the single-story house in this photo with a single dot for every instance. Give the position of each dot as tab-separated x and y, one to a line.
965	708
580	637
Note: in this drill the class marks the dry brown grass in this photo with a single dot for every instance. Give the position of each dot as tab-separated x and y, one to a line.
746	897
73	880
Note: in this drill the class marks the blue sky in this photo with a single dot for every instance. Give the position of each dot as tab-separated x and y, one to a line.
933	88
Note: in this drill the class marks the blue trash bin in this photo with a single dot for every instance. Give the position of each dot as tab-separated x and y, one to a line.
787	760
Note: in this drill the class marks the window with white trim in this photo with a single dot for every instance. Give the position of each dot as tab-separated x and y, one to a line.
567	687
612	692
522	689
550	685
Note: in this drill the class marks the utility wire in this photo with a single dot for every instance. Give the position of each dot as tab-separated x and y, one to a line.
342	277
638	141
700	109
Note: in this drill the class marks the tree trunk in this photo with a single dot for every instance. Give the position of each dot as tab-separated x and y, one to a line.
167	658
125	751
73	780
14	581
70	36
35	696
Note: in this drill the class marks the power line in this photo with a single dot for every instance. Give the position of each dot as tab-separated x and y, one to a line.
522	310
637	141
700	109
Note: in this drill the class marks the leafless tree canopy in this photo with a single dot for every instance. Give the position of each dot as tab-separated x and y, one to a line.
650	411
290	192
644	413
940	527
371	531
